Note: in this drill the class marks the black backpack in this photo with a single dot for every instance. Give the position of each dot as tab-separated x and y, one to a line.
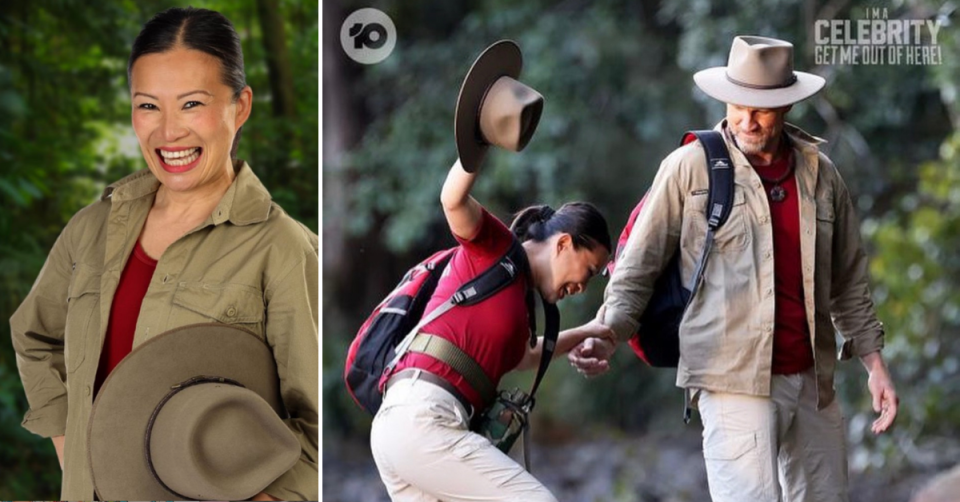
659	344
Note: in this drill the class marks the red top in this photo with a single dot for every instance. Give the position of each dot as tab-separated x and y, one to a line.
124	312
792	351
494	332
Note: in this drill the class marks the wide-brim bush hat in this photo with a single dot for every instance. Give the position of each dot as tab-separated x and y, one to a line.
192	414
759	74
493	107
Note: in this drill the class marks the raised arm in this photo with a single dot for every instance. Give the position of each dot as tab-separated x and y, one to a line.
462	211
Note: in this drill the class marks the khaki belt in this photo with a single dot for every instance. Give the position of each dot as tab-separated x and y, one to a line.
426	376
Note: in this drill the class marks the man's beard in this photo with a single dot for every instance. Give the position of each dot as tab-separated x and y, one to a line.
754	145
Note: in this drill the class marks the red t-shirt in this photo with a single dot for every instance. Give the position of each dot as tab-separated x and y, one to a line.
124	312
792	351
494	332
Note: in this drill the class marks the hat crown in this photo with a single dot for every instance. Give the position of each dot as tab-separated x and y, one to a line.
217	440
761	63
509	114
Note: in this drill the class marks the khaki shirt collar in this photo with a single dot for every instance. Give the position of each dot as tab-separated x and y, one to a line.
246	202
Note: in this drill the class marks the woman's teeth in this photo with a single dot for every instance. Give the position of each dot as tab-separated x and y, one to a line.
181	157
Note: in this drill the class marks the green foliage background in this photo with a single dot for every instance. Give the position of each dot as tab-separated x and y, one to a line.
65	134
617	81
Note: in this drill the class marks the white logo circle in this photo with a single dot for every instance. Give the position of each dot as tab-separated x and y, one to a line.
368	36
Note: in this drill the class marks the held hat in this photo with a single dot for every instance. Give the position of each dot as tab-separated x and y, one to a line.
191	414
493	107
759	74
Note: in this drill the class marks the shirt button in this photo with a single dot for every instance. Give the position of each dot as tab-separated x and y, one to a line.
763	219
769	292
86	390
74	266
166	277
231	312
766	255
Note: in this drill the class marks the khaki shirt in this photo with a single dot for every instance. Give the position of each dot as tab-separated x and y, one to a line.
726	336
249	264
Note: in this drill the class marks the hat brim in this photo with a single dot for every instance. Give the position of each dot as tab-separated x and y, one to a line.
118	420
714	82
500	59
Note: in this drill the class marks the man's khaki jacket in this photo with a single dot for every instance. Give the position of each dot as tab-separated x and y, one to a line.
726	336
249	264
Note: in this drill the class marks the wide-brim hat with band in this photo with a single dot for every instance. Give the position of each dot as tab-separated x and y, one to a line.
191	414
759	74
493	107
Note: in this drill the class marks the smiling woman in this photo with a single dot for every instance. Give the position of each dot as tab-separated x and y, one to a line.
193	239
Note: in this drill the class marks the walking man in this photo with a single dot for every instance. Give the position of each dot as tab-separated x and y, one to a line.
787	270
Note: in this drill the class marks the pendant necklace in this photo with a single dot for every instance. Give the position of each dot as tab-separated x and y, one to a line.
777	193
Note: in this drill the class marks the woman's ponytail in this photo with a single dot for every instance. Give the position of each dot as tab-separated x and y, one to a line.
581	220
532	223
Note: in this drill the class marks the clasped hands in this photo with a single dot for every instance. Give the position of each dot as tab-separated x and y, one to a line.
592	356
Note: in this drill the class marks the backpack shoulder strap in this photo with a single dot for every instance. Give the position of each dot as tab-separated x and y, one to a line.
719	203
490	281
720	168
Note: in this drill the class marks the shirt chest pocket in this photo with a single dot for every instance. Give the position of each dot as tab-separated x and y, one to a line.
732	235
83	306
225	303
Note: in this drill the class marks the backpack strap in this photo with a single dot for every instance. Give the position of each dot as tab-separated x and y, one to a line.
720	167
453	356
720	197
719	205
481	287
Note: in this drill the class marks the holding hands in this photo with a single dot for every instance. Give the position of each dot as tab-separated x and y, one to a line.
592	356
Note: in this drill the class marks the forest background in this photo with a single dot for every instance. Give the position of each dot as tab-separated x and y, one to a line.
65	134
617	80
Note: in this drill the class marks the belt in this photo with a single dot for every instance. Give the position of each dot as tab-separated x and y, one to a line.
426	376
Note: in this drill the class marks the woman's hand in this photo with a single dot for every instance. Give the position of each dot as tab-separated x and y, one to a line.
592	357
58	442
566	341
263	496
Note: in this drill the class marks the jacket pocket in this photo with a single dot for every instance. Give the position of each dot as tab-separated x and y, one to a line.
732	236
234	304
83	303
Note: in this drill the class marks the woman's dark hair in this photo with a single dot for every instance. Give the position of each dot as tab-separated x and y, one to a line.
198	29
581	220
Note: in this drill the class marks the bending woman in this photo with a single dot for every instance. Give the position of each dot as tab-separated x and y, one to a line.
194	238
420	437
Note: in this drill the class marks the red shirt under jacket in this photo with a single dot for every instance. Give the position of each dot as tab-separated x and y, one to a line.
124	312
792	351
494	332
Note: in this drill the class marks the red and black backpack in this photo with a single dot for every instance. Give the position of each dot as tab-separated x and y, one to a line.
379	342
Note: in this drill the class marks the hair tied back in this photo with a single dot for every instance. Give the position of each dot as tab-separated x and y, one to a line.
546	212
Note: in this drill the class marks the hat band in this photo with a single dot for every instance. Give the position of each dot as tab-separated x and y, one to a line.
174	389
788	83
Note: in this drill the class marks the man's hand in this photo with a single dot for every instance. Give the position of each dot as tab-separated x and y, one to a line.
885	399
58	446
592	356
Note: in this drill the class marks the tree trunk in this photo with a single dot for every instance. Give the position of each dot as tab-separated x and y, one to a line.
278	58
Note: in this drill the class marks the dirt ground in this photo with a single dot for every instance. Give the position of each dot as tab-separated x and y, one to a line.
608	468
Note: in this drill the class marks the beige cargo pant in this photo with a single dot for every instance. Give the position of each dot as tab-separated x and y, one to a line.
425	452
777	448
